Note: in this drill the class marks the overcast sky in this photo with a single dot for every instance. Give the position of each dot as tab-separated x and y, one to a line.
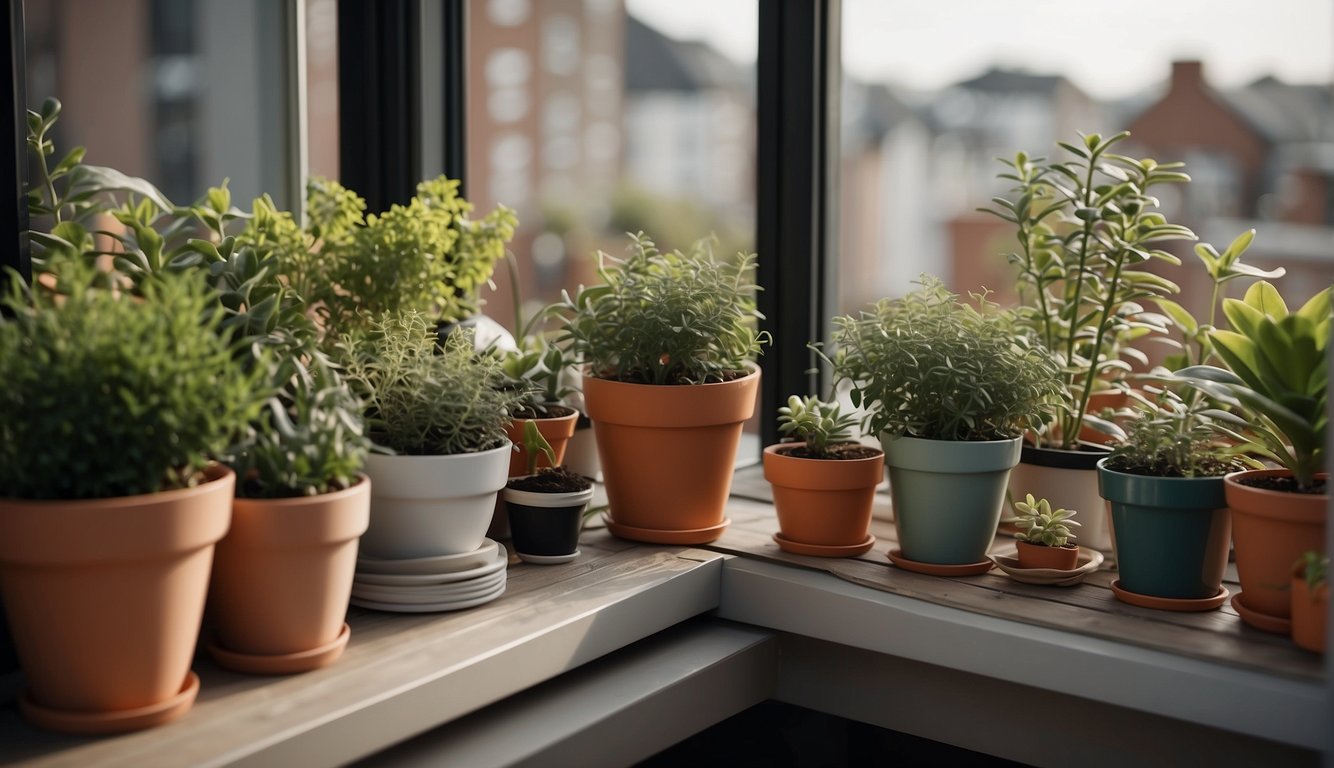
1110	49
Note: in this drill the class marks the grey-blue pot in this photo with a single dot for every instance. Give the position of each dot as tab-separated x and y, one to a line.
948	495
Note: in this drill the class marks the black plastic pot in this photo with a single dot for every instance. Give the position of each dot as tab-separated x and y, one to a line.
544	527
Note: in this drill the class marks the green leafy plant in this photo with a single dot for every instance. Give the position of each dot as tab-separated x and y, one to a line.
538	368
1277	377
929	366
665	318
1176	436
816	423
534	444
1085	227
112	395
423	400
1040	524
1313	567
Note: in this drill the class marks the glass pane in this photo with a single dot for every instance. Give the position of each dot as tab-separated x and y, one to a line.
592	118
185	93
935	92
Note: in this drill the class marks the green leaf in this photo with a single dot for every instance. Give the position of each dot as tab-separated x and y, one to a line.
1265	298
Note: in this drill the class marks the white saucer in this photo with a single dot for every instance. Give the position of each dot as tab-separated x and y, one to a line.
1089	560
497	562
548	559
458	591
439	564
447	605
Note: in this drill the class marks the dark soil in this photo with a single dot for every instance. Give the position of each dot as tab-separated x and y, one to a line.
1165	469
1283	484
549	480
836	452
544	411
636	377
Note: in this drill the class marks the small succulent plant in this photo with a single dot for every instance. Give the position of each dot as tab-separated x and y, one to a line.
1040	524
816	422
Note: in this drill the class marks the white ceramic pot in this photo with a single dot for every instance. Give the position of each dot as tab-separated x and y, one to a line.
1067	487
427	506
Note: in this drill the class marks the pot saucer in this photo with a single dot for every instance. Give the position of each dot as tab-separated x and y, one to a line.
282	663
497	562
819	550
444	605
1089	560
548	559
935	569
655	536
113	722
464	590
440	564
1261	621
1169	603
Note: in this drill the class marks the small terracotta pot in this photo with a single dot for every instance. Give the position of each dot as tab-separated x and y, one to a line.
1042	556
1270	531
105	598
283	575
667	454
824	502
557	431
1310	614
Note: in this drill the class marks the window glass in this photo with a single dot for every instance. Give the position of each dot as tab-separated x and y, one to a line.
933	93
593	118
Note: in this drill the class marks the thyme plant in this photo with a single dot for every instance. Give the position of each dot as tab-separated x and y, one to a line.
665	318
1175	436
817	423
929	366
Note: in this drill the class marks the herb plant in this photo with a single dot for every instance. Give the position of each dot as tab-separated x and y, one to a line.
1313	567
817	423
1040	524
1175	436
930	366
423	399
665	318
1085	228
110	395
537	367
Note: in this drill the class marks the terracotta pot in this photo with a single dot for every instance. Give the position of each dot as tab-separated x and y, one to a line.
427	506
557	431
667	454
1069	480
1310	614
823	502
1042	556
105	598
282	578
1270	531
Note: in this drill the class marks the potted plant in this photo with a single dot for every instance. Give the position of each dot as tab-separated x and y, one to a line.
1277	378
668	341
439	412
1310	601
1169	515
823	484
535	367
1043	539
112	408
1085	227
545	505
950	387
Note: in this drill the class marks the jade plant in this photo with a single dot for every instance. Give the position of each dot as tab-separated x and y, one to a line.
1087	226
1039	524
665	318
820	426
1276	376
928	365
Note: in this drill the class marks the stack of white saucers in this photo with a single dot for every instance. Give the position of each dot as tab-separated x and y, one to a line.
429	584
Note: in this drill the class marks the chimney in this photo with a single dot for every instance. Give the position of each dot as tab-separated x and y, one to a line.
1187	76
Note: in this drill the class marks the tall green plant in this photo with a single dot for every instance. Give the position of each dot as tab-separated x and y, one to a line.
1085	227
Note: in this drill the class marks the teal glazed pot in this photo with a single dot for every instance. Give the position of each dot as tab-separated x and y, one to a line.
1171	533
948	495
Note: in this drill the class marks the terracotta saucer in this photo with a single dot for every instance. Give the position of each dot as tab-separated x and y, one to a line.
548	559
113	722
1089	560
1261	621
1169	603
820	550
935	569
283	663
654	536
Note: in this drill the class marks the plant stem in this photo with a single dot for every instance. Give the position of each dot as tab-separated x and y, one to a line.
1070	431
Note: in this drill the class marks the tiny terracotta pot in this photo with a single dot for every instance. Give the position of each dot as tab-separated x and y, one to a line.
282	578
557	431
823	502
105	599
1270	531
1063	558
1310	614
667	454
